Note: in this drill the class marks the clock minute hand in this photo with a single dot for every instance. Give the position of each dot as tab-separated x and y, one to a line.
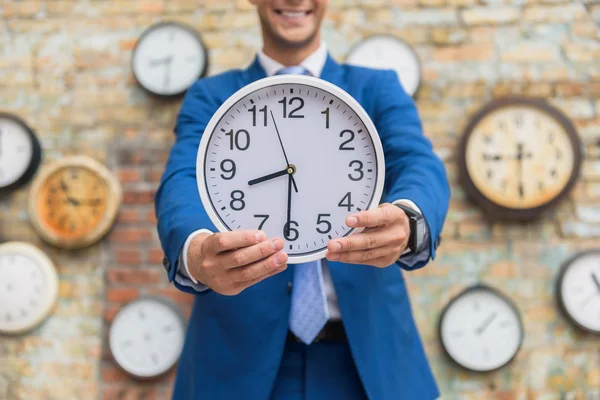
596	281
269	177
279	137
286	231
486	323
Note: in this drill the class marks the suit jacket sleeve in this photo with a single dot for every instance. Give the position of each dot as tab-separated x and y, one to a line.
179	209
413	170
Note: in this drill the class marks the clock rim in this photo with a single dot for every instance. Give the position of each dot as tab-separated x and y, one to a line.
404	43
115	194
301	80
52	281
496	212
511	304
558	288
163	24
173	306
36	154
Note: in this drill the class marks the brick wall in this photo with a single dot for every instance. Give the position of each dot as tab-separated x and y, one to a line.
64	67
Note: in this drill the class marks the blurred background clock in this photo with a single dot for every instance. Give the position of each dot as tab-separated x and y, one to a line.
389	52
28	287
73	202
168	58
518	157
578	290
20	152
480	329
146	337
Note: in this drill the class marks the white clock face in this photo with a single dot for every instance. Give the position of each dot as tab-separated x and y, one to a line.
480	330
168	59
388	52
146	337
580	290
293	156
28	287
16	151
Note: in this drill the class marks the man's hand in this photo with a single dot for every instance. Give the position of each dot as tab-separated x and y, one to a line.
230	262
380	244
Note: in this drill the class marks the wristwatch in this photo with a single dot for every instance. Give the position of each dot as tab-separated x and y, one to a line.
416	240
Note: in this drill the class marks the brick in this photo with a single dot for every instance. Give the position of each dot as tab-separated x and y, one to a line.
130	235
490	15
588	212
128	393
575	107
588	51
592	190
155	256
151	6
26	8
448	36
127	256
154	175
122	295
559	13
174	294
127	175
463	53
128	216
151	218
138	196
531	52
428	17
110	312
111	374
130	276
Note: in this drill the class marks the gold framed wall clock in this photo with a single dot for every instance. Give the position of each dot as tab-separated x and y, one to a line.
73	202
518	157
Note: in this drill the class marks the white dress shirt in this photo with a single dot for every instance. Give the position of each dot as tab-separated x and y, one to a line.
314	63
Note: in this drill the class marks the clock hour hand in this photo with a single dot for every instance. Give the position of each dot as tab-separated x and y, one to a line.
159	61
486	323
269	177
73	201
596	281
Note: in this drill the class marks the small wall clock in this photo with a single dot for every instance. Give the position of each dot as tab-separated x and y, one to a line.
274	144
481	329
28	287
518	157
168	58
146	337
389	52
578	290
20	152
74	202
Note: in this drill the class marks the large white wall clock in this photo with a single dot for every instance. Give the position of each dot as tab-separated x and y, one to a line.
291	155
389	52
481	329
146	337
578	290
20	152
28	287
168	58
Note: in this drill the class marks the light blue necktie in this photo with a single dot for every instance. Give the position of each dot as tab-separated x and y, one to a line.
309	313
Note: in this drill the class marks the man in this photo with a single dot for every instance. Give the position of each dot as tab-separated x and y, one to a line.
242	340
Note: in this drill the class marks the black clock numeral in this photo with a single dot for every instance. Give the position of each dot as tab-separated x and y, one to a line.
292	113
326	112
237	196
228	170
361	174
348	204
343	145
265	217
234	139
519	119
320	221
288	230
262	110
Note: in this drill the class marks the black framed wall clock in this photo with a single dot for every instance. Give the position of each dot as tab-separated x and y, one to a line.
20	152
518	157
168	58
389	52
578	290
481	329
146	337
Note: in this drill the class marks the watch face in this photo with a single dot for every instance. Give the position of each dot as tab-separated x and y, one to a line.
19	151
579	290
481	330
169	58
293	156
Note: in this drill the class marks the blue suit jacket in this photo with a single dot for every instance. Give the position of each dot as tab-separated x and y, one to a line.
234	343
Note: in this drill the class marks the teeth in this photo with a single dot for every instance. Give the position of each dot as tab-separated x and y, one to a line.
293	14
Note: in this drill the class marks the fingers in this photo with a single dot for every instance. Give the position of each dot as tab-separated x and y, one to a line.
369	240
365	256
386	214
225	241
255	272
248	255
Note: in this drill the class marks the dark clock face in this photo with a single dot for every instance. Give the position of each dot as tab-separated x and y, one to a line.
519	156
20	152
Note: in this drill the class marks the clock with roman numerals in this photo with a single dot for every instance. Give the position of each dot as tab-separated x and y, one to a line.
28	287
518	157
293	156
146	337
74	201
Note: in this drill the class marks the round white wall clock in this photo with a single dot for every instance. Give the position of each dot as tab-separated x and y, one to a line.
28	287
168	58
389	52
578	290
20	152
146	337
293	156
481	329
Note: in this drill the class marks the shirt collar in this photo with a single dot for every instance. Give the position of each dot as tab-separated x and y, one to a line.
314	63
